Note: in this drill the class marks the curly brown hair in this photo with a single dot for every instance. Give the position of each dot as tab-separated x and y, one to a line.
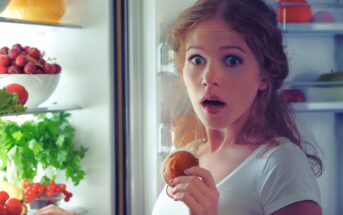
270	116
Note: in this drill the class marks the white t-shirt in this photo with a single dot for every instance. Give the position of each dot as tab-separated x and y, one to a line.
264	183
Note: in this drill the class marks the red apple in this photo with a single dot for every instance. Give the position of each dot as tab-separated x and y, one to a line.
292	95
21	92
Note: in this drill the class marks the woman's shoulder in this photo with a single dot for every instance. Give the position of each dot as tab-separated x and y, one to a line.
282	147
284	155
286	176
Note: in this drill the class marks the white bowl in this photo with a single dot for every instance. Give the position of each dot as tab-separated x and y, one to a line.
39	86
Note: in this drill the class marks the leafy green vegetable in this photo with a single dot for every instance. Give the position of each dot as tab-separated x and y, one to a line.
45	140
9	103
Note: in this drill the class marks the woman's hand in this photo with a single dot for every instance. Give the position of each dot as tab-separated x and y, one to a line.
53	210
197	190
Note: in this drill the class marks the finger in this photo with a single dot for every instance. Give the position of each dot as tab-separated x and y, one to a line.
204	174
46	208
196	182
193	206
192	190
49	210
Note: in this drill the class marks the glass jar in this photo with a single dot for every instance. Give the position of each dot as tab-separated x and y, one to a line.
45	201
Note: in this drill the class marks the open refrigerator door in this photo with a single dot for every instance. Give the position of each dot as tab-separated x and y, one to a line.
83	42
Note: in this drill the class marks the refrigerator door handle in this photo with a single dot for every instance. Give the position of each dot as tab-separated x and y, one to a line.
164	140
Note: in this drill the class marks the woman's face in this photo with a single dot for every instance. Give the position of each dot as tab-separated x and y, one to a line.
221	74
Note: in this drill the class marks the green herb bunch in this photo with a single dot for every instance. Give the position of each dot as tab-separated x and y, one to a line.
45	140
9	103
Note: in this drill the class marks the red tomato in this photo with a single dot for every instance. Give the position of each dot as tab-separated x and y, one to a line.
20	91
2	210
3	197
13	207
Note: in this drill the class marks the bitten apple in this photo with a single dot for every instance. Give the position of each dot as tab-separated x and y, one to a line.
176	163
21	92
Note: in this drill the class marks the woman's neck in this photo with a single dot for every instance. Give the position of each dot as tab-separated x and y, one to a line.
217	139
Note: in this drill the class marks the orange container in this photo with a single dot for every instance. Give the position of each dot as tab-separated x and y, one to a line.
36	10
294	11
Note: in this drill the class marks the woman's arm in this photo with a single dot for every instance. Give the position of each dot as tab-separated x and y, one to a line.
300	208
53	210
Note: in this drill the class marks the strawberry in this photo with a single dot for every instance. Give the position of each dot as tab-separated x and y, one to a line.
4	50
49	68
40	62
5	60
3	70
35	53
38	71
20	91
18	46
58	68
14	70
30	68
14	52
21	60
26	49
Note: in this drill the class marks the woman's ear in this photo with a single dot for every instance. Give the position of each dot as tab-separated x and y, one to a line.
263	84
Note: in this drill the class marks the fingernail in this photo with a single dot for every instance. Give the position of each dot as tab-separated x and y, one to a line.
186	171
170	182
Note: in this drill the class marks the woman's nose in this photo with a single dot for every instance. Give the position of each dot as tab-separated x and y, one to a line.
210	76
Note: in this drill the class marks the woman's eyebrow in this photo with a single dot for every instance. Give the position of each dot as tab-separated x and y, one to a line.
232	47
220	48
194	47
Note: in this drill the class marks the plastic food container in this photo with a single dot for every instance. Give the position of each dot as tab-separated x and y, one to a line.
36	10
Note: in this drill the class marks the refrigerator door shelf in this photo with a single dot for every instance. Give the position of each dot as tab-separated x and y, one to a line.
312	28
318	107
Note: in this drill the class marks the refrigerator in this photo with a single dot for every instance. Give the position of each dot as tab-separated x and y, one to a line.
313	48
117	81
86	43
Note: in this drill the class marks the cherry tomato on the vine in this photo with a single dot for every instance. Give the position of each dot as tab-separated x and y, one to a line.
13	207
3	197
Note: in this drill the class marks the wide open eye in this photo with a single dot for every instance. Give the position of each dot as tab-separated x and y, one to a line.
233	61
197	59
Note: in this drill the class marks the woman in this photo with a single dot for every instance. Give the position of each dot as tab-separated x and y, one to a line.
252	161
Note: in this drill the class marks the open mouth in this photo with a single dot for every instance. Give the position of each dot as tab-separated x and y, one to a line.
212	103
